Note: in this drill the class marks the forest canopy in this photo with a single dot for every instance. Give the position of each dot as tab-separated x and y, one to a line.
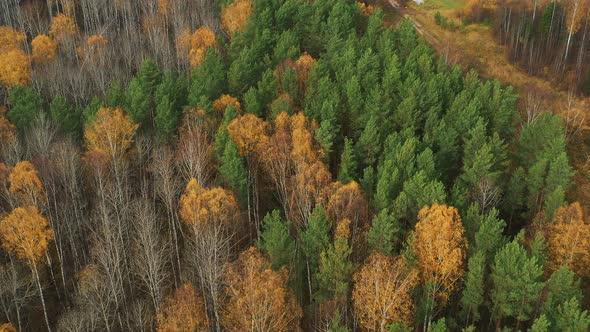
272	165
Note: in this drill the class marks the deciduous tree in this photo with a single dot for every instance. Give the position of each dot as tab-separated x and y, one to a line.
382	293
440	247
258	297
568	240
44	49
183	311
26	234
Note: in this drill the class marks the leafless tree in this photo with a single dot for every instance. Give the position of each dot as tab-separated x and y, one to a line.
17	288
535	105
150	252
208	255
487	194
573	117
193	154
167	187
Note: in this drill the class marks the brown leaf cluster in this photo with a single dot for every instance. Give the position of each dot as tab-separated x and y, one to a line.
15	64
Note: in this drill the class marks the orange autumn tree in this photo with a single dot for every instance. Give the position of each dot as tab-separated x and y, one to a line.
63	28
44	49
10	39
111	133
8	132
193	46
7	327
183	311
25	184
382	293
312	176
234	17
199	206
258	297
440	247
211	215
26	234
568	240
15	64
303	67
221	103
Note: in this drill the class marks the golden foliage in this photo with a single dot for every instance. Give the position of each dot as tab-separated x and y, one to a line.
96	41
258	297
234	18
7	130
10	39
111	133
199	206
249	133
568	240
44	49
576	11
15	68
366	9
347	201
193	47
164	7
440	247
63	28
382	293
26	234
25	183
221	103
7	327
183	311
303	67
342	230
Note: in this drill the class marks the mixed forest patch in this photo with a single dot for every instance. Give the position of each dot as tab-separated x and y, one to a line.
272	165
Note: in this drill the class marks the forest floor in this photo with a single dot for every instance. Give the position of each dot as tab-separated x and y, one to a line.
475	46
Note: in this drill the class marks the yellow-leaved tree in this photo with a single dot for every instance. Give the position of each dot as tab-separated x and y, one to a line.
111	133
193	46
211	216
15	64
44	49
234	17
63	28
26	234
382	293
440	247
258	297
568	240
25	184
183	311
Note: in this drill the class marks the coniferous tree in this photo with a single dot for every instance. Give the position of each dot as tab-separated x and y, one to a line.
517	284
25	105
276	241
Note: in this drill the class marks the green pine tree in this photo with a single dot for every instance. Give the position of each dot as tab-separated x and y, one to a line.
276	241
25	105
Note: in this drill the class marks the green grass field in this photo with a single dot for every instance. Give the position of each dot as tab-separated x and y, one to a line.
444	4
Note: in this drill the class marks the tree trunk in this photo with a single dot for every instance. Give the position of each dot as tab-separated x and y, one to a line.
36	273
